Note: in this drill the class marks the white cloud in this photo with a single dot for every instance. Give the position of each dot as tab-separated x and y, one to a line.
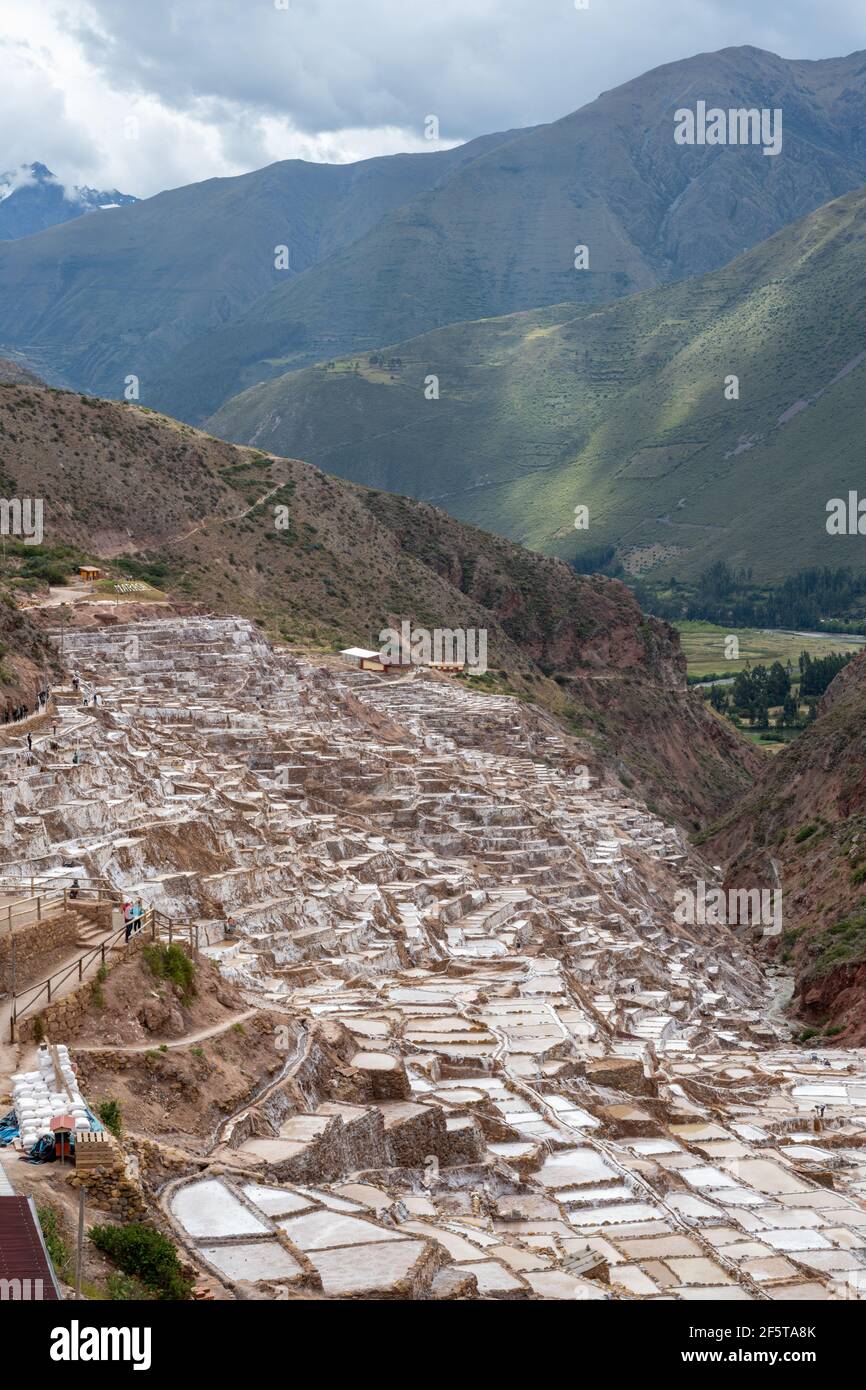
146	94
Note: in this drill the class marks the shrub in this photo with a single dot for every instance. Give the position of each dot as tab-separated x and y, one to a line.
172	964
143	1252
109	1113
841	945
55	1244
804	833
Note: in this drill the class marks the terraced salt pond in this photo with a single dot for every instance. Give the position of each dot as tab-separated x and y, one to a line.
518	1076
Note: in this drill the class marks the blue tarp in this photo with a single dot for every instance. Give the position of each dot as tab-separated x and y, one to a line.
9	1127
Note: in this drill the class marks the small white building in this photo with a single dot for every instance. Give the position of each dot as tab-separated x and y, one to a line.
356	656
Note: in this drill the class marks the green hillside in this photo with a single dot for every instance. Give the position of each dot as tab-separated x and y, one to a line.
621	409
500	235
181	290
91	301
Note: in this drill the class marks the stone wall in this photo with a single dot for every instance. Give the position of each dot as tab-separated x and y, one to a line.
109	1185
38	945
61	1019
63	1016
161	1163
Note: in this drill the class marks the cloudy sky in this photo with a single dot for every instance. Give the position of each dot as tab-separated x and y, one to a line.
148	94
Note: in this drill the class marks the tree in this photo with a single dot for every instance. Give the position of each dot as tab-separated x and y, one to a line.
778	684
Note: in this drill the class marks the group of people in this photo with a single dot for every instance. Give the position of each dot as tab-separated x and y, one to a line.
89	696
12	713
132	917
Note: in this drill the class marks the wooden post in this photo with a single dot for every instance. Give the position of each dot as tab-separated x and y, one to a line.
39	908
80	1242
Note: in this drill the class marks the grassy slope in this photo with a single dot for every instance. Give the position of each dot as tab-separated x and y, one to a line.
622	409
181	290
122	481
93	300
500	236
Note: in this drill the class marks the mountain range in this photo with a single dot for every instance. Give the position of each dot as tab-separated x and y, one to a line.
182	291
97	299
417	323
32	199
622	408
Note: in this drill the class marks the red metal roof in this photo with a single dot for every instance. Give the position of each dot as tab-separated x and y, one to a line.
22	1249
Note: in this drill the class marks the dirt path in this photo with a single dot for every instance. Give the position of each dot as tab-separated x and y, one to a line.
14	1056
167	1042
210	520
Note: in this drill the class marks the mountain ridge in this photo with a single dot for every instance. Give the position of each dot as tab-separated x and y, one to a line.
501	236
497	235
91	303
33	199
622	408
